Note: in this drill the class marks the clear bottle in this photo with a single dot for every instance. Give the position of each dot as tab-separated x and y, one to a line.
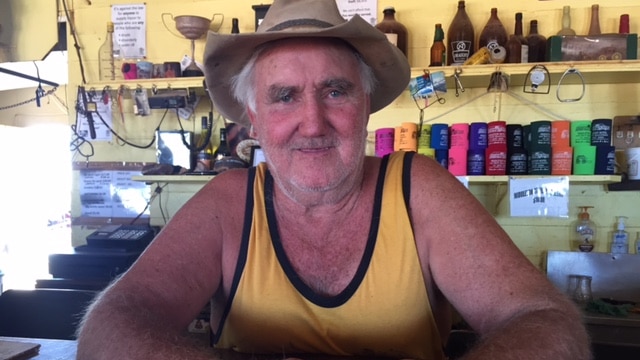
585	231
537	44
594	26
110	57
438	50
620	238
493	35
460	37
566	22
235	28
393	29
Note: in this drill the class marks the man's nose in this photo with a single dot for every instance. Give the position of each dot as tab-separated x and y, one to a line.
313	121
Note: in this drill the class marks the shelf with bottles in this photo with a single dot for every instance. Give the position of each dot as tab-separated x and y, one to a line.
593	72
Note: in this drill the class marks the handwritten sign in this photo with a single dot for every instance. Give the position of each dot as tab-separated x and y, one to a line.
539	197
129	29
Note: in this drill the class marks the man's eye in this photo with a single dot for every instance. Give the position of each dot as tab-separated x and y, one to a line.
286	98
335	93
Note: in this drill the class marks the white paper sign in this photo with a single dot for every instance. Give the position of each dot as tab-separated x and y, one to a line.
367	9
112	194
539	197
130	28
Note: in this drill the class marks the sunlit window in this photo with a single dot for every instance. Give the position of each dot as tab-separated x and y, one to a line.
35	201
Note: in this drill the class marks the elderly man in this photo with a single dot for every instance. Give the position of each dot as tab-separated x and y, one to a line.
323	251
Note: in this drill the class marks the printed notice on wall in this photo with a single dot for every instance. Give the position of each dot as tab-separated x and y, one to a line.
539	197
367	9
130	28
112	194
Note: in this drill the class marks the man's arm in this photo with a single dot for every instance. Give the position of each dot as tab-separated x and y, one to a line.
518	313
145	313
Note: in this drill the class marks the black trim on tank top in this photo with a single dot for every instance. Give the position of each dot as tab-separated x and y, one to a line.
406	178
304	289
242	254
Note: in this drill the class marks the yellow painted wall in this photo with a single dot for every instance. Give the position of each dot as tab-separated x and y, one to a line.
533	235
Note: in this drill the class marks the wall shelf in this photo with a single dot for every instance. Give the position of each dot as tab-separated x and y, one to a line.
160	83
594	72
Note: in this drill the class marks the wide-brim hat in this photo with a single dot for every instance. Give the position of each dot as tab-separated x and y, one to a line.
226	54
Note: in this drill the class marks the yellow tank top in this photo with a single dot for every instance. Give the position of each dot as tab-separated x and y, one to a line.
384	311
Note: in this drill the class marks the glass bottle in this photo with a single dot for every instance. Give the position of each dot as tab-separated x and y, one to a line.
460	37
594	26
205	155
438	50
624	24
585	231
223	149
110	57
235	29
537	44
393	29
494	33
524	53
566	22
514	50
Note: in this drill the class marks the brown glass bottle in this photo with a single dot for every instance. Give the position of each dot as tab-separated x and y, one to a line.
395	31
235	29
537	44
514	50
524	44
460	37
493	34
438	50
566	22
594	26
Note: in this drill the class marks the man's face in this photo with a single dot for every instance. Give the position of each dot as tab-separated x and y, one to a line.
311	113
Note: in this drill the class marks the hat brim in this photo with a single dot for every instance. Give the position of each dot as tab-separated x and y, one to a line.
226	54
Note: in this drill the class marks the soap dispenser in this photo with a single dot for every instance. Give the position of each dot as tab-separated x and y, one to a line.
637	244
620	238
585	230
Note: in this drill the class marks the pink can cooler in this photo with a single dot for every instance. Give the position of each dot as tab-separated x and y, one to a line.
459	136
384	141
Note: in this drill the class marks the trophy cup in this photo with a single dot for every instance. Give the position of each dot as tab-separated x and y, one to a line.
193	28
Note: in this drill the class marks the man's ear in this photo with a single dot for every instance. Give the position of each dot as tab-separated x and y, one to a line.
252	116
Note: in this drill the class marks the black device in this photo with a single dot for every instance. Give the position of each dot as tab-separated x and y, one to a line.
129	237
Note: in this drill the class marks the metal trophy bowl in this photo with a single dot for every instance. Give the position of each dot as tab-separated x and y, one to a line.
193	28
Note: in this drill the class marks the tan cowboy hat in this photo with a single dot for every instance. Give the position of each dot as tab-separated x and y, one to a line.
225	55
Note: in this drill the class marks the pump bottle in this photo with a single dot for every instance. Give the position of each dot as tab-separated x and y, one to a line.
620	239
585	231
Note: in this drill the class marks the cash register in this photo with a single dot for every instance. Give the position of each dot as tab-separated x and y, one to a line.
109	252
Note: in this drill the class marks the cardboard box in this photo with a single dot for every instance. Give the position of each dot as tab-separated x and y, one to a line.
598	47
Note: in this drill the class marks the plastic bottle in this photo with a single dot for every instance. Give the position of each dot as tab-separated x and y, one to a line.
110	57
537	44
594	26
585	231
438	50
393	29
460	37
524	44
566	22
620	239
637	244
493	35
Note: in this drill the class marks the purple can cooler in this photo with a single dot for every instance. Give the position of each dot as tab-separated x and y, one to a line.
478	136
384	141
